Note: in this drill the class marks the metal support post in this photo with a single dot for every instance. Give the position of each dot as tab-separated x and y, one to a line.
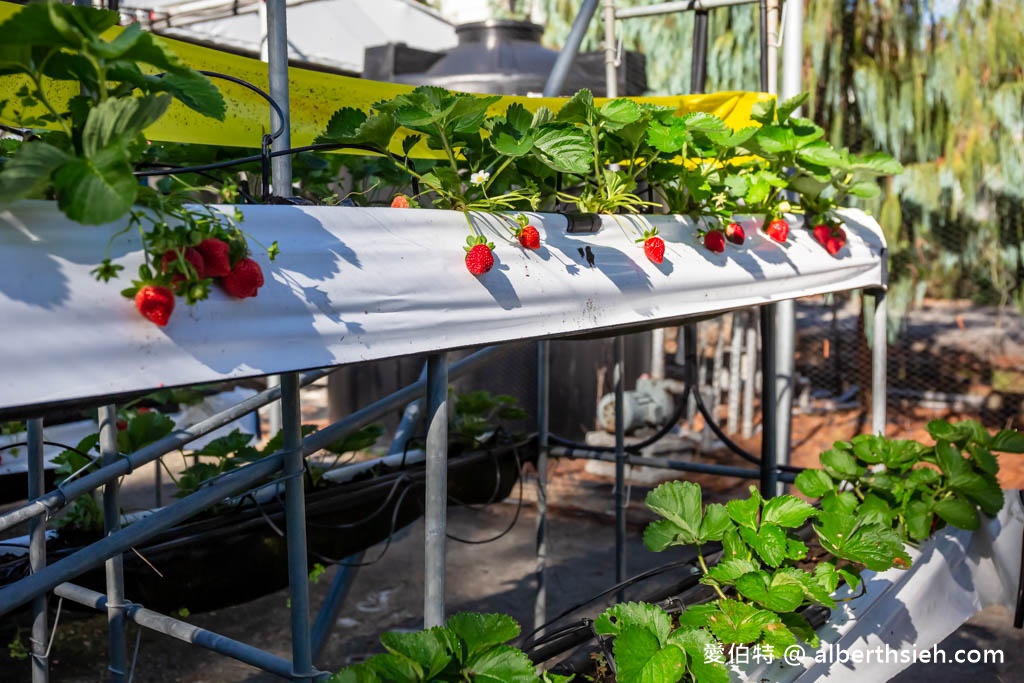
295	526
186	632
277	72
699	60
620	465
611	73
769	403
37	552
565	59
879	356
543	429
436	491
331	607
114	565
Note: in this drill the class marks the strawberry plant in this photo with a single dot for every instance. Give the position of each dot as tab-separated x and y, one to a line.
913	488
470	647
875	496
83	158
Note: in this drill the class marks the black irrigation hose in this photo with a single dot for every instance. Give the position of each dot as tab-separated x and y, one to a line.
669	425
259	91
519	504
642	576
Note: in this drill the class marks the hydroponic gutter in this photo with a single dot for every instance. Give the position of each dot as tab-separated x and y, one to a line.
355	284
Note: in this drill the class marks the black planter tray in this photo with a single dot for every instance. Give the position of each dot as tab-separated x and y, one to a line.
239	554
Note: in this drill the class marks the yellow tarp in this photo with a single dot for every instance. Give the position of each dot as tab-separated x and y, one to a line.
315	96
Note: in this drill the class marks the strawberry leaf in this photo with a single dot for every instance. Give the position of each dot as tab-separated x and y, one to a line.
502	664
680	503
814	483
769	542
786	511
482	631
958	512
638	615
640	657
426	648
697	644
778	592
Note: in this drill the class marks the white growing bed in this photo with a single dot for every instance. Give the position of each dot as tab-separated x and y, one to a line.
357	284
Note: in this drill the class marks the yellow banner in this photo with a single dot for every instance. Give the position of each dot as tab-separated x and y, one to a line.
314	97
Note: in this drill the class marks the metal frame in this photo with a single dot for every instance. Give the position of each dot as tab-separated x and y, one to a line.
778	331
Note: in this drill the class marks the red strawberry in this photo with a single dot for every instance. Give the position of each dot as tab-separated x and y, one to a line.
155	303
479	259
244	279
654	246
169	263
778	230
833	245
529	237
839	233
400	202
822	232
215	256
735	234
714	240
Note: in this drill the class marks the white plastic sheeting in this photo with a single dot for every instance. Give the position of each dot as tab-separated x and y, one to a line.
954	576
354	284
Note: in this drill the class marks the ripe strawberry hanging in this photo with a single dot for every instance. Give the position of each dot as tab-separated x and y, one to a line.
714	240
170	262
155	303
822	232
479	258
734	233
777	229
400	202
654	246
216	256
244	279
527	235
833	245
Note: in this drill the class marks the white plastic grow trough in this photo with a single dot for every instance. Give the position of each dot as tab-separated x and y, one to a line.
904	613
355	284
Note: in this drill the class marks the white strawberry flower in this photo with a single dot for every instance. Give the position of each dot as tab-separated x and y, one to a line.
479	178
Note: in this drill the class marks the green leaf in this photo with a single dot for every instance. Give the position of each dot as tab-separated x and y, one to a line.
28	172
865	189
778	592
874	510
813	590
819	152
578	109
744	511
983	459
958	512
983	490
827	576
769	542
814	483
727	571
918	517
786	511
119	119
662	534
395	668
1008	441
564	148
195	91
774	140
502	664
787	107
667	137
840	464
425	648
481	631
145	428
841	502
763	111
96	190
34	25
877	163
801	628
714	524
680	503
697	643
738	622
634	615
640	658
618	113
872	545
941	429
360	673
